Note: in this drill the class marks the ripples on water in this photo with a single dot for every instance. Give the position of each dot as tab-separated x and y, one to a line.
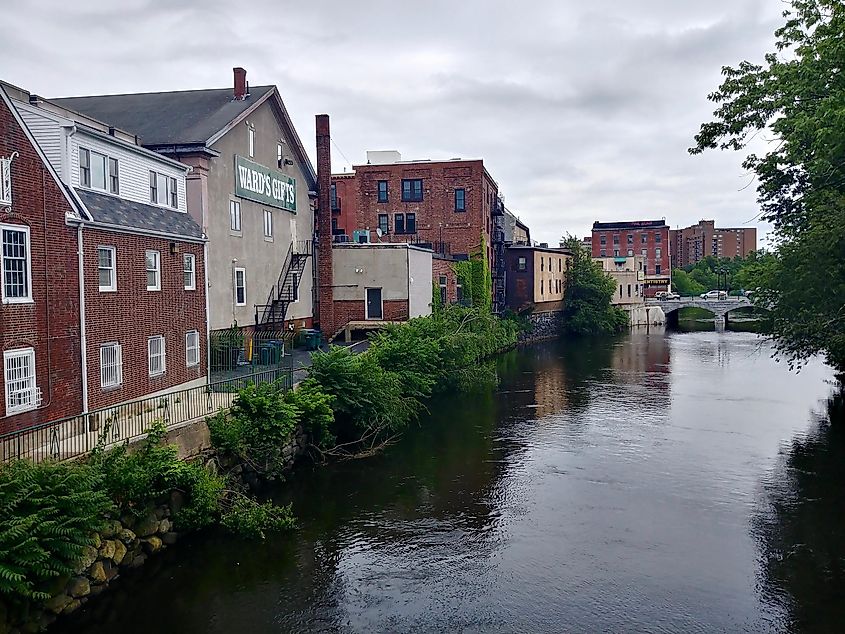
679	483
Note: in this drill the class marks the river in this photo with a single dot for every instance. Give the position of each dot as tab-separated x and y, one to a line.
663	482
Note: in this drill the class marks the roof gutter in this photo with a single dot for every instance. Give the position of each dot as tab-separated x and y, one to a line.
136	230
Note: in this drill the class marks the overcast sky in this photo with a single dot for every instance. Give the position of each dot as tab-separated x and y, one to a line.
581	110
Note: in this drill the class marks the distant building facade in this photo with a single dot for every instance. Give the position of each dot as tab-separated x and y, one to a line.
692	244
628	274
536	277
646	238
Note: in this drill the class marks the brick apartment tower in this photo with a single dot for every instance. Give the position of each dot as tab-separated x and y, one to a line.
325	292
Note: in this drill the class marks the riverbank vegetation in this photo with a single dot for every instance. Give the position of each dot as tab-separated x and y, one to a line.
795	100
739	274
587	308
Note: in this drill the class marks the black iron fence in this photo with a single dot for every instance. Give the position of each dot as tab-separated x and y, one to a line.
76	436
238	352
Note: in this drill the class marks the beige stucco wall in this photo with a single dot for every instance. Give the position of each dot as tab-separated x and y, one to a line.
262	259
628	276
360	266
545	289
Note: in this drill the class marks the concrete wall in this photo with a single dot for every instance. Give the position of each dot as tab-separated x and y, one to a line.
419	282
263	259
549	276
357	267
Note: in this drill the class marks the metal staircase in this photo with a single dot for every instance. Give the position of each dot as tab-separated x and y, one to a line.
271	316
499	269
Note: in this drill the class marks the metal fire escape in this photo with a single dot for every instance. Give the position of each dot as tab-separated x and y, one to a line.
272	315
499	270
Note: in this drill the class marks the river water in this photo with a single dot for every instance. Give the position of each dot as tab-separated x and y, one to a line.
663	482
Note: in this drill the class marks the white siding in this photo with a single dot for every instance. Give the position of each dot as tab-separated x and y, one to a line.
133	167
47	131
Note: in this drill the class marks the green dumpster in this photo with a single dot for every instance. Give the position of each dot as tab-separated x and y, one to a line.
312	338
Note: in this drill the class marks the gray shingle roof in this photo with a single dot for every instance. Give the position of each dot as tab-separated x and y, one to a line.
167	118
131	215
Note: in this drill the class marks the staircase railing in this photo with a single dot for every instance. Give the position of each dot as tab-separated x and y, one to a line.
297	252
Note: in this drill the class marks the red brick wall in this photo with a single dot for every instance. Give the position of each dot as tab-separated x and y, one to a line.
347	195
347	310
324	313
132	314
651	245
446	268
51	324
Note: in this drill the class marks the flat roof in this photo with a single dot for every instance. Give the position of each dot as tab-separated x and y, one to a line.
630	224
558	250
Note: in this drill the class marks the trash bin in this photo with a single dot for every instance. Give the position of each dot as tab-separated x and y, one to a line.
312	338
268	354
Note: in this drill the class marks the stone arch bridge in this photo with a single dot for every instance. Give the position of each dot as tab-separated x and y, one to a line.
720	308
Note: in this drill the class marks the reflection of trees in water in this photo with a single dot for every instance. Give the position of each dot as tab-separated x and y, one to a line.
800	528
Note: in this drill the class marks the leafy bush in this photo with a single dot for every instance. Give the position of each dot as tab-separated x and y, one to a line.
257	427
253	519
48	514
315	413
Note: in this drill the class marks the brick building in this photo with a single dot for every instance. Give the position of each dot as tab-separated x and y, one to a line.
139	304
536	277
646	238
453	207
39	313
694	243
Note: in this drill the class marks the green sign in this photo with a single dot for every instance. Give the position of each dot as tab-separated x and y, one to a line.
264	185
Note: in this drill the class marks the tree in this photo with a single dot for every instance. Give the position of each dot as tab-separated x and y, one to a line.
586	303
797	97
685	285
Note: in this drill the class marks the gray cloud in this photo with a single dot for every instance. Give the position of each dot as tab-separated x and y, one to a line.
582	111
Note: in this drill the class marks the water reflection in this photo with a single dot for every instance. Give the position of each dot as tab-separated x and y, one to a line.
800	526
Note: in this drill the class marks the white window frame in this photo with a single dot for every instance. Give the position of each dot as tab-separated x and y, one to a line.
268	224
5	182
113	286
189	257
107	160
34	399
192	360
234	216
251	139
161	355
114	376
239	269
157	270
28	245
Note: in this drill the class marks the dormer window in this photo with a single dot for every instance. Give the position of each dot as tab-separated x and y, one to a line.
163	190
98	171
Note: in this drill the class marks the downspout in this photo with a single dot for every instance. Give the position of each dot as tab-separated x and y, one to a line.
82	340
207	318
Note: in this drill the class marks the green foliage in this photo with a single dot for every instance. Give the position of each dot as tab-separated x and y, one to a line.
314	411
257	426
685	285
586	302
797	97
137	479
48	514
249	518
436	303
476	279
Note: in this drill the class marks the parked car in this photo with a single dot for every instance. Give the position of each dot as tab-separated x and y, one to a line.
671	295
714	295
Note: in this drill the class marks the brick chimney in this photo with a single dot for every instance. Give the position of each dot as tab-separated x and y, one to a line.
325	294
240	83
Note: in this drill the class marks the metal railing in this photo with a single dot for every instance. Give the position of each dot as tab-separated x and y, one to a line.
76	436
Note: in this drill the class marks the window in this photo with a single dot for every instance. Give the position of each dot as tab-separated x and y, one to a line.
630	252
6	182
399	223
616	253
410	223
550	265
603	253
333	197
460	200
629	290
644	253
295	287
559	265
616	239
189	271
542	264
111	365
602	239
98	171
620	291
251	139
658	238
644	238
268	223
630	238
106	268
163	190
645	269
383	223
657	269
15	265
412	190
19	380
542	286
279	155
459	292
192	348
521	264
382	191
657	252
234	215
153	265
156	355
240	287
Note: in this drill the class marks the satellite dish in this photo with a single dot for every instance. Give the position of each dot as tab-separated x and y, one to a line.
379	232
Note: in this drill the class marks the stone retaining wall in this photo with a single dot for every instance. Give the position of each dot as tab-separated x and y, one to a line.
544	325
